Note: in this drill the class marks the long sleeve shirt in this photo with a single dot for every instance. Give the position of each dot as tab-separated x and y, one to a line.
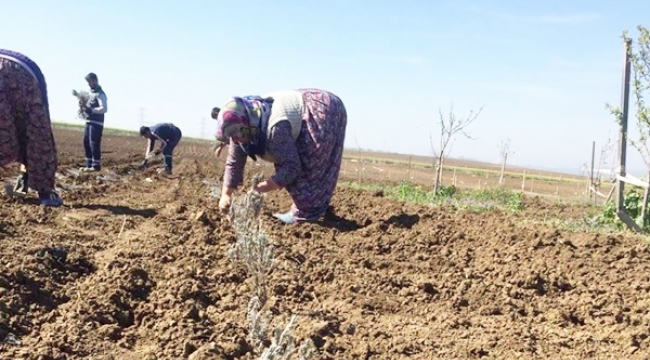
281	145
102	104
165	133
98	105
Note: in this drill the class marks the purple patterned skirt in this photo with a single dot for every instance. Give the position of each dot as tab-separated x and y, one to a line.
25	127
320	147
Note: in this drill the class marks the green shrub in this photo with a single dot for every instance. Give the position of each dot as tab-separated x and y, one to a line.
633	203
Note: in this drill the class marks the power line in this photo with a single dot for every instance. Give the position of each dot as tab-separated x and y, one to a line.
203	128
142	117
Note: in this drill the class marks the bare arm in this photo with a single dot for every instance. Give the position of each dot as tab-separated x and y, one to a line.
150	145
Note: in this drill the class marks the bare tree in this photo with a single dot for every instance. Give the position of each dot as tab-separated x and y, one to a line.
605	154
504	150
450	126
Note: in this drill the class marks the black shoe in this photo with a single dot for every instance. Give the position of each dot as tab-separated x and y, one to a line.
50	198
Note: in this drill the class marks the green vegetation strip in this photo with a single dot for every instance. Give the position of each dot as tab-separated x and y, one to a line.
114	132
477	200
596	219
461	169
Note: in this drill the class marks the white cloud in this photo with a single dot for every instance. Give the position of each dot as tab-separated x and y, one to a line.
563	63
568	19
577	18
534	90
472	37
547	19
404	59
412	60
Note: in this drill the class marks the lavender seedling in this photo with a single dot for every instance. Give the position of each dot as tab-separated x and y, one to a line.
252	247
258	323
283	345
82	96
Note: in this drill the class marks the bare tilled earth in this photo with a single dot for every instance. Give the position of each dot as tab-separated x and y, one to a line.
147	275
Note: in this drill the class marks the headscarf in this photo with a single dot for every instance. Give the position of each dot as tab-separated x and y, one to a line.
249	116
215	112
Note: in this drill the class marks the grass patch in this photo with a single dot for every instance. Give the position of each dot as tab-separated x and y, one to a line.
599	219
80	127
476	200
363	186
589	224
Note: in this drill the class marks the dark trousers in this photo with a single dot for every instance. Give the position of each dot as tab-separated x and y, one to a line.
93	144
169	149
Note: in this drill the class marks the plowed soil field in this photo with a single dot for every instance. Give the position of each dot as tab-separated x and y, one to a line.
147	275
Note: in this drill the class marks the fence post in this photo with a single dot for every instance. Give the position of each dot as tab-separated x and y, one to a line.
622	143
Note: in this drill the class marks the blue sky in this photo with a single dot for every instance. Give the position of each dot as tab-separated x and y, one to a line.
543	70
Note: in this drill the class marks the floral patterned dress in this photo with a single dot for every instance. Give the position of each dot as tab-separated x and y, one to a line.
308	167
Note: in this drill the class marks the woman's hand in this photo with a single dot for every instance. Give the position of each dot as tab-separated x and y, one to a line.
219	149
224	202
226	199
266	186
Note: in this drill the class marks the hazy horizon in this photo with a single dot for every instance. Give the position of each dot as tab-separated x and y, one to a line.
543	70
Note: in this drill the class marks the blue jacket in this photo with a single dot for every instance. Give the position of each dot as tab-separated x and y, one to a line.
97	103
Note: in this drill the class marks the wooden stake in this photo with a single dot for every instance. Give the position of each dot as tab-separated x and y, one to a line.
503	168
591	172
122	228
622	143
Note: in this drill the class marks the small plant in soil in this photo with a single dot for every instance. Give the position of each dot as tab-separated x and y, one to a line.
82	97
283	345
252	247
254	250
633	203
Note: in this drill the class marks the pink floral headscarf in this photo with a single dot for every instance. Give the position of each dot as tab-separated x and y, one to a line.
231	118
247	111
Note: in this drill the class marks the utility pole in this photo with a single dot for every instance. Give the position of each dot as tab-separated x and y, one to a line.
202	128
141	116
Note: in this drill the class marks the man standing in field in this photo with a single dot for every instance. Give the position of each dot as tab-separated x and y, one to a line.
94	108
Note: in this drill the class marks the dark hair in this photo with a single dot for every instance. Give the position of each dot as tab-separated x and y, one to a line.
91	76
215	112
144	130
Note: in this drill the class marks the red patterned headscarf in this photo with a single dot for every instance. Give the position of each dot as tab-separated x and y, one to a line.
243	113
232	117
